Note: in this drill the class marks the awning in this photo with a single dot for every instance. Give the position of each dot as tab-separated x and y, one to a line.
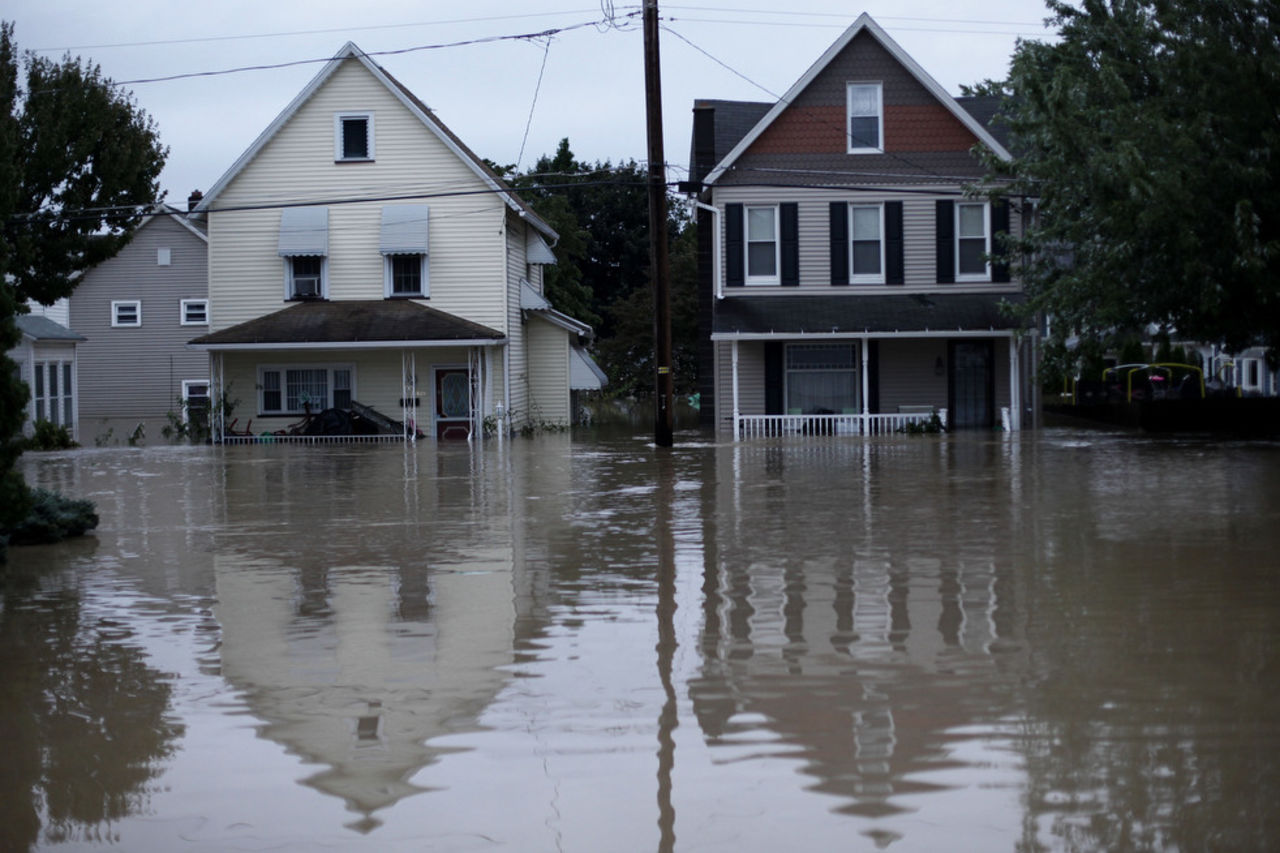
304	231
404	230
537	251
584	373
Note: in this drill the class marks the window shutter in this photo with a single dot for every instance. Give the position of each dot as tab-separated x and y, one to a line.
773	378
894	249
999	229
839	242
790	233
733	247
946	236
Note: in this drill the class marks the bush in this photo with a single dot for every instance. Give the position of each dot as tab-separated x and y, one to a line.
50	436
53	518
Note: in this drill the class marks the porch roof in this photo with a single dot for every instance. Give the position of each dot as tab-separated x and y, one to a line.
850	314
38	328
352	324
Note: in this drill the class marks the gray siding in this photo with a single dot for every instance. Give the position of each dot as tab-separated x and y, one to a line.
131	375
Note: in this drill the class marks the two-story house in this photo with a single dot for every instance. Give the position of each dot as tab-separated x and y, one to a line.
849	284
359	252
137	310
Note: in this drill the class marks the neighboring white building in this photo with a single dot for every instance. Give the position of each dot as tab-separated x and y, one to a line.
46	360
359	252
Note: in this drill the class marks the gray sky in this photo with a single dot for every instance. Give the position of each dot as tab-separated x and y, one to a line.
592	83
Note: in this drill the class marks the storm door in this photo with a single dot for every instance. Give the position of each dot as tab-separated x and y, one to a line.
972	385
453	403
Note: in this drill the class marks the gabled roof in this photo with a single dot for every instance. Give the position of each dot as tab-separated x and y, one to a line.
37	328
411	103
195	227
866	24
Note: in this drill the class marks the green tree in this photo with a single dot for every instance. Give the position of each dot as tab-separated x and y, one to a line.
79	162
1149	135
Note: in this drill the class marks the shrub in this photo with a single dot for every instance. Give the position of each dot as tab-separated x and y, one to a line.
53	518
50	436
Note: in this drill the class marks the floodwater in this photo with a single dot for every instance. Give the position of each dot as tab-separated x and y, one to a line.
1060	640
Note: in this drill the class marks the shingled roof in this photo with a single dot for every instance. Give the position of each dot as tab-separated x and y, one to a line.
372	323
821	314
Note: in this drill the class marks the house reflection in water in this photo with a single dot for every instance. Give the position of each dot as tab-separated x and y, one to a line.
356	666
855	648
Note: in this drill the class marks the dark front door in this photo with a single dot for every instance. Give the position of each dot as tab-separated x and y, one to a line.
453	404
971	390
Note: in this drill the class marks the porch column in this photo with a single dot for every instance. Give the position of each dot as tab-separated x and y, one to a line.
862	358
1015	386
409	390
736	412
216	419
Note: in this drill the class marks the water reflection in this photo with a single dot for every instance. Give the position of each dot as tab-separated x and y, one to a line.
1060	641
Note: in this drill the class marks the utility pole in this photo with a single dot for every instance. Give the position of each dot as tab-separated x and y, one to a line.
659	264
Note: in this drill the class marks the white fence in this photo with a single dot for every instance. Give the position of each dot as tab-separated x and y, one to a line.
773	426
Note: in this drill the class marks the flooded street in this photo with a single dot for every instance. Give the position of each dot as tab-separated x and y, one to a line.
1061	641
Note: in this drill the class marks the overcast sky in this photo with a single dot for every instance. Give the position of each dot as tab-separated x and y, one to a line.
585	82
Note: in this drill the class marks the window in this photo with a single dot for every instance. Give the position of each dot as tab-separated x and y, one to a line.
866	118
52	392
403	244
822	379
126	313
866	231
164	257
304	245
762	245
194	312
353	137
294	390
972	244
195	401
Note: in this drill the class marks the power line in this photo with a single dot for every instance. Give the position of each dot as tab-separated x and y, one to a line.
546	50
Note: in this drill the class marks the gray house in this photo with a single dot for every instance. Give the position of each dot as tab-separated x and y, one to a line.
137	311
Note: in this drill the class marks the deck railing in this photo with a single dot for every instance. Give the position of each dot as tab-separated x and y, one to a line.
773	426
268	438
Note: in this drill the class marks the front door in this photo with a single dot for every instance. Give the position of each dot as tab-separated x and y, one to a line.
453	403
972	386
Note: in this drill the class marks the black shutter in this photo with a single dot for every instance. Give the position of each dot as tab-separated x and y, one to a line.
773	378
839	242
999	229
946	235
894	250
873	377
733	248
790	232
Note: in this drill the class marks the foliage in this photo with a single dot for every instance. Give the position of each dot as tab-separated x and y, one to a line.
192	423
52	518
1148	135
50	436
929	427
78	163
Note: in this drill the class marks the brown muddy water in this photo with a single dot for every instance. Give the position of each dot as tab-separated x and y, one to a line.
1060	641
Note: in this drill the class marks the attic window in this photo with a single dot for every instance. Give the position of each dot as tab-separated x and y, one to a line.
353	137
866	118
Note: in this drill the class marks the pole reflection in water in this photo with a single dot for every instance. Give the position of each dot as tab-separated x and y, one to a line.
1060	641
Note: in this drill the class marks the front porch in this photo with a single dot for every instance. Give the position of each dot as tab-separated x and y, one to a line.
774	426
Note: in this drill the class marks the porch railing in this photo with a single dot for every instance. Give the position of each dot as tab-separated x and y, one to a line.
268	438
773	426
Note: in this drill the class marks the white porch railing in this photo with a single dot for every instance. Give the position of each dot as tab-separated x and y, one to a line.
773	426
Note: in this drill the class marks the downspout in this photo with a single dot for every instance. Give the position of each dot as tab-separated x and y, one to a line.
717	273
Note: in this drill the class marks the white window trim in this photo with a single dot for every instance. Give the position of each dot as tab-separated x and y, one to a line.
387	291
186	394
848	114
866	278
183	305
117	304
284	390
288	277
164	257
338	153
986	229
51	407
763	280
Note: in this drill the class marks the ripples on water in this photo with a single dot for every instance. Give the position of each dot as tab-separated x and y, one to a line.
1062	641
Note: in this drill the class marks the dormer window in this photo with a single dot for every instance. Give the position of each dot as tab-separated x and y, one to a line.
353	137
865	108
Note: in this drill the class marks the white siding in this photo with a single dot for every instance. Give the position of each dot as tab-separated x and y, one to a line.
465	231
548	372
519	404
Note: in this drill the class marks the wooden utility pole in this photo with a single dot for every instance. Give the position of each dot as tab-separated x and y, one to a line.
659	264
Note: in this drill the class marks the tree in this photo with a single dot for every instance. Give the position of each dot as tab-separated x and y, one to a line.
79	164
1150	138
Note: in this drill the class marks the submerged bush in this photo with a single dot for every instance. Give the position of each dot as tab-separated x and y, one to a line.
50	436
52	518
